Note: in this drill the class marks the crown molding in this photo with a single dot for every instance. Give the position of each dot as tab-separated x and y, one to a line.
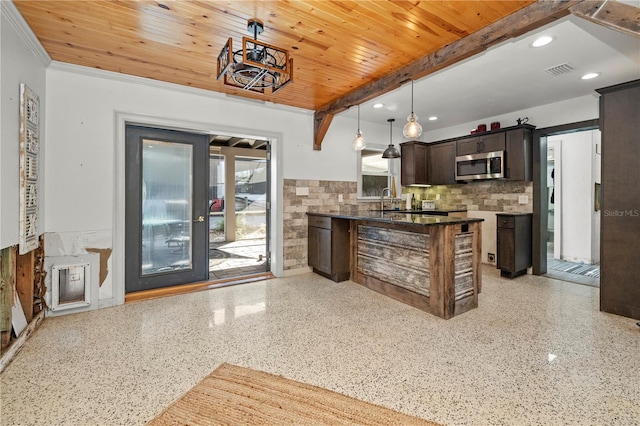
127	78
24	31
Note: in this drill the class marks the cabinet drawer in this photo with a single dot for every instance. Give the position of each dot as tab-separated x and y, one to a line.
506	222
320	222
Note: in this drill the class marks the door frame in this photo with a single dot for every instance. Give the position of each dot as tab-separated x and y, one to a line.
276	191
540	193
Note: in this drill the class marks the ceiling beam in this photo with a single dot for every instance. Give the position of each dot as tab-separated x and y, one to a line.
611	14
526	19
258	144
234	141
320	126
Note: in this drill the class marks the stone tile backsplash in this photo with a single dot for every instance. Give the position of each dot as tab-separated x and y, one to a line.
323	197
489	195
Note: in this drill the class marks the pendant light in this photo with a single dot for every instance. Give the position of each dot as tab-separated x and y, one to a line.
358	143
391	151
412	129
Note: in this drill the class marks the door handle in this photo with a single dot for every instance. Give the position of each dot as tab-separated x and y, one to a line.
199	219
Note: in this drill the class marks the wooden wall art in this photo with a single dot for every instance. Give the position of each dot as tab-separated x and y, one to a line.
29	157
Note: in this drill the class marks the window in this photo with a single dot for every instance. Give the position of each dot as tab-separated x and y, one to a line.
373	173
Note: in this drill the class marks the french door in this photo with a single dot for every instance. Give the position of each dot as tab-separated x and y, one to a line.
166	208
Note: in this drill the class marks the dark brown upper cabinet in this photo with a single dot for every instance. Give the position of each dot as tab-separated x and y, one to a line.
434	163
519	154
413	163
480	144
441	163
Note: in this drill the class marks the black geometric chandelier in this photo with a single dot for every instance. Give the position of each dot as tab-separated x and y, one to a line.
257	66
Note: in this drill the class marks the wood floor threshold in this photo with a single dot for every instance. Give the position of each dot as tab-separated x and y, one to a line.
194	287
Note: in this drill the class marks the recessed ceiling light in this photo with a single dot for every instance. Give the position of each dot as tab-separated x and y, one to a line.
542	41
590	75
433	118
376	106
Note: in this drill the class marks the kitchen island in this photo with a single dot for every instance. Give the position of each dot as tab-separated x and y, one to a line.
427	261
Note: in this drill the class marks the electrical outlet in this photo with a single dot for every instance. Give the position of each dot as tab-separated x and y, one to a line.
491	258
340	198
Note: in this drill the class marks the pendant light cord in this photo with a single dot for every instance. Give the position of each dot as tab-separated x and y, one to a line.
411	97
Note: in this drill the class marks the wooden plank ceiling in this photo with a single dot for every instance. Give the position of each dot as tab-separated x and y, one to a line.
337	46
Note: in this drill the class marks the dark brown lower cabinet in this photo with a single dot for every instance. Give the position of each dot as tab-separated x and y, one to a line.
514	243
329	253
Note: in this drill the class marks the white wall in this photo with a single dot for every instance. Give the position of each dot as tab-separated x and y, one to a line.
578	233
337	159
557	113
83	163
18	64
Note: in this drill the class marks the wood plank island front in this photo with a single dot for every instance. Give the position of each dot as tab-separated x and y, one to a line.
429	262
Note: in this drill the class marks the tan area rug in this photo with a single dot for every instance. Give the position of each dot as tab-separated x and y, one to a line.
239	396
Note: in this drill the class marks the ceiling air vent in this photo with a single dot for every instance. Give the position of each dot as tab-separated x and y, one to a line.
560	69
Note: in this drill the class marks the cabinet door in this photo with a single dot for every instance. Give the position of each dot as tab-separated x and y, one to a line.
319	252
441	164
492	142
413	166
323	249
506	249
313	251
519	155
467	146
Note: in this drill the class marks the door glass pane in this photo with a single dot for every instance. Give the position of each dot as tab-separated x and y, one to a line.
216	198
166	207
251	198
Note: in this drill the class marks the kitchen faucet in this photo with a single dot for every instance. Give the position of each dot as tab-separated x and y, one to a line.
387	190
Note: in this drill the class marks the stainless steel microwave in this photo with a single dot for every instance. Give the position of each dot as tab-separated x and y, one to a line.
487	165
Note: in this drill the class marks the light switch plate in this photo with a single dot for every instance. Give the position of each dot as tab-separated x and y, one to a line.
523	199
302	191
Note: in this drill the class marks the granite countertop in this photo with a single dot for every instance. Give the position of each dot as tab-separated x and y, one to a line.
433	211
401	218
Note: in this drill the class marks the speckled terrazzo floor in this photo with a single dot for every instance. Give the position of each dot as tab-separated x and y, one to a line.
492	365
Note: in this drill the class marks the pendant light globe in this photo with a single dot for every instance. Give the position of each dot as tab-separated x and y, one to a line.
359	143
412	129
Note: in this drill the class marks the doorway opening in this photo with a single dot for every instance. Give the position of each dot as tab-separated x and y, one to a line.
570	214
238	207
